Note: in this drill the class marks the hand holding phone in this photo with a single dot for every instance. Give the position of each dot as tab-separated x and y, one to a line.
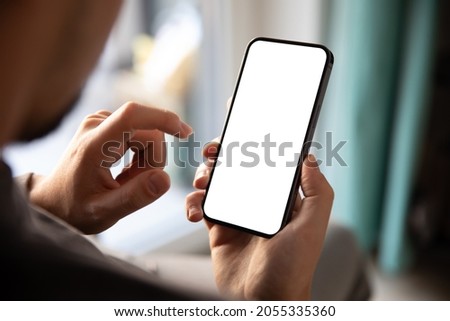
247	266
271	120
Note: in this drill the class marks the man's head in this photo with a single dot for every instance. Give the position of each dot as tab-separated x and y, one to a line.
48	50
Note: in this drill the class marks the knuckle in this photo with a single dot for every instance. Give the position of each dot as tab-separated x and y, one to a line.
201	169
90	121
209	163
103	112
331	193
126	113
129	108
193	199
189	199
328	191
324	188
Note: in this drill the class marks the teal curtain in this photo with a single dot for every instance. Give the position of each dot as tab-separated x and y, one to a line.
373	116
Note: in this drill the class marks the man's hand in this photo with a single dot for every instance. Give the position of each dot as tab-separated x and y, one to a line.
281	268
82	190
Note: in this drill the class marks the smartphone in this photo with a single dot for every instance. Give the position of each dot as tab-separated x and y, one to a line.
267	133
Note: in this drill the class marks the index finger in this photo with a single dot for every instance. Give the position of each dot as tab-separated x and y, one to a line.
133	116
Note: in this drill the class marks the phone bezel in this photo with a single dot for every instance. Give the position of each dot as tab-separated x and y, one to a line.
306	143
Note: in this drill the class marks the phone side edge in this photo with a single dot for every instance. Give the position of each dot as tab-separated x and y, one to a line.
323	85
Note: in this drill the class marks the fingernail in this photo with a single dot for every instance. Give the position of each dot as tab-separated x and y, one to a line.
210	149
185	128
312	158
312	161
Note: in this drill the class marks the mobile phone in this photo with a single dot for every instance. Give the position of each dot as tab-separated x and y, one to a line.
270	123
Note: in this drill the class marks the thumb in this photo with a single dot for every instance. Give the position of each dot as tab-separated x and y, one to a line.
136	193
313	182
315	208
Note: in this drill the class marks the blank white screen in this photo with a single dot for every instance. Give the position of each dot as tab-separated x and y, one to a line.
276	94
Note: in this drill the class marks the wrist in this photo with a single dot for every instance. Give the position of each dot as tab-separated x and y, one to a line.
33	186
38	194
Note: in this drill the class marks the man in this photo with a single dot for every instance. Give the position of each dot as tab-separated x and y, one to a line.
49	49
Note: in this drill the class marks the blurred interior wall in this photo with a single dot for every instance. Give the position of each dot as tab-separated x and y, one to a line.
299	20
228	28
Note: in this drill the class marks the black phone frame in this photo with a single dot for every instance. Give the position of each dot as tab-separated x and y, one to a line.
306	143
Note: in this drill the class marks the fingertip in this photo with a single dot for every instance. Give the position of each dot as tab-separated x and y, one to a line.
313	182
193	206
186	130
311	162
211	149
200	182
194	214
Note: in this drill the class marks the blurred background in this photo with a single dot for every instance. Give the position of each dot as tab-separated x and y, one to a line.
385	118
